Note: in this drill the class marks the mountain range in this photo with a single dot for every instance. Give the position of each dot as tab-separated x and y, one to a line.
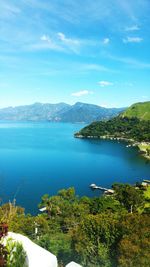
61	112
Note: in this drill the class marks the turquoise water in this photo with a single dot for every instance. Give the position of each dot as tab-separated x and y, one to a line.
39	158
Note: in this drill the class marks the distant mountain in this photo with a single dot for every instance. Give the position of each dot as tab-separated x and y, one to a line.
35	112
79	112
138	110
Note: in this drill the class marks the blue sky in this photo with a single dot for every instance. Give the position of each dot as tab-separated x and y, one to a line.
94	51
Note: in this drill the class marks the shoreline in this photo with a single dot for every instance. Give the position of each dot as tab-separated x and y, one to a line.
142	146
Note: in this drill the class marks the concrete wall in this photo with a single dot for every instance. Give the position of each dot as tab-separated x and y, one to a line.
36	255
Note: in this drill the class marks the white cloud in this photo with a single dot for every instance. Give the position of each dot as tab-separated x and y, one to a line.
132	28
105	83
107	105
104	105
81	93
45	38
66	40
132	39
48	43
106	41
72	44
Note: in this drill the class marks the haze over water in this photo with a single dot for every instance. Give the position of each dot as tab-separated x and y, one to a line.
40	158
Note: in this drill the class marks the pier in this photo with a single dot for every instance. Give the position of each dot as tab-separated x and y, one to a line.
105	190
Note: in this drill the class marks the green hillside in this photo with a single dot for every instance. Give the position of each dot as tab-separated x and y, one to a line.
138	110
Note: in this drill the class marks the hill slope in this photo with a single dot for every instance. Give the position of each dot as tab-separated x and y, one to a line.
138	110
79	112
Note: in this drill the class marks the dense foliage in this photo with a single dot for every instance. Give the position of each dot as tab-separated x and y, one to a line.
101	231
16	256
127	128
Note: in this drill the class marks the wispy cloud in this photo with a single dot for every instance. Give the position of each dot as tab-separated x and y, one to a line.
131	62
66	40
105	41
132	28
105	83
8	10
81	93
93	67
132	40
48	43
129	8
72	44
58	42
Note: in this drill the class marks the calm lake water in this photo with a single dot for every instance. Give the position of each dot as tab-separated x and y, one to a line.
39	158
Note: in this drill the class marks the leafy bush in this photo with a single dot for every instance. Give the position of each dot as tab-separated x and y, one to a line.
16	256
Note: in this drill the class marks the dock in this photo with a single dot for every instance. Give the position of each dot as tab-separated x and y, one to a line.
146	181
43	209
105	190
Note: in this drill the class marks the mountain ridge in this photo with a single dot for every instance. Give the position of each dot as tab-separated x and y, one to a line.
60	112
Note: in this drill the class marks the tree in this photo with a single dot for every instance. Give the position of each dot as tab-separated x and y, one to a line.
95	239
67	194
134	246
104	203
130	197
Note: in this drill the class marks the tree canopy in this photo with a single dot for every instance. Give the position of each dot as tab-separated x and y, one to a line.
99	231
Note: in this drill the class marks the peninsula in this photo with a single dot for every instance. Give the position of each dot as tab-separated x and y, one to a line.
132	126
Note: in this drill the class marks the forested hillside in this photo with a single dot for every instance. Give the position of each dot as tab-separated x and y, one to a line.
119	127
